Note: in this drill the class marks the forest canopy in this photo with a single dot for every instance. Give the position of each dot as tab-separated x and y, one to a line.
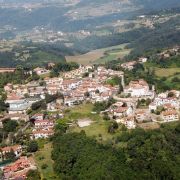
147	155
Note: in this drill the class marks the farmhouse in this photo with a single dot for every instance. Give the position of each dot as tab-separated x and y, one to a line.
41	71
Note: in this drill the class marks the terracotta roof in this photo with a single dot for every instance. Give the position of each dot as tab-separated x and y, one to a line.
121	109
13	96
169	113
8	148
49	132
18	165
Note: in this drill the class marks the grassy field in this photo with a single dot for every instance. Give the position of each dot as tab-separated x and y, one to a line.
99	56
113	53
87	58
43	156
98	129
162	72
106	58
83	108
169	74
82	111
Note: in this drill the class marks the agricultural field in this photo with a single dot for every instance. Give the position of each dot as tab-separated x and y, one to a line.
100	55
170	76
166	72
7	45
113	54
43	57
87	58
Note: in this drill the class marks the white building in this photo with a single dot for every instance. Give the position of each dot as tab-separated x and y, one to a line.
40	124
122	111
139	88
159	101
42	133
170	115
18	106
41	71
130	122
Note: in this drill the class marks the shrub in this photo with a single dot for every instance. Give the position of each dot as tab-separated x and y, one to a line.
44	166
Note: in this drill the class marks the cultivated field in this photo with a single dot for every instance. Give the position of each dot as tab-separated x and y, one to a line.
87	58
100	55
166	72
113	54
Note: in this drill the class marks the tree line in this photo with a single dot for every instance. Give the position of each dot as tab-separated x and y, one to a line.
150	154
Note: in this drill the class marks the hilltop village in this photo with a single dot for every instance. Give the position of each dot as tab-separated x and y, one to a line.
40	104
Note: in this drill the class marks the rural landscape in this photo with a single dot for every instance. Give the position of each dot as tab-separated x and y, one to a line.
89	89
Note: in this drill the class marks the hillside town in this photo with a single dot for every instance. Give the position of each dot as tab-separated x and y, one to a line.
133	104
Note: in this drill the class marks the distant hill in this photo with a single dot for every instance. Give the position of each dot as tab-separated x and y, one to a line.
87	13
39	55
75	15
156	4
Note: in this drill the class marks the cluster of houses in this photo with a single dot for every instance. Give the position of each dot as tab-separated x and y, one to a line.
88	83
164	54
17	169
169	104
43	127
126	109
168	52
71	85
85	84
131	64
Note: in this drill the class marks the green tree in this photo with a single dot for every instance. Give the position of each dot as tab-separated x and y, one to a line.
10	155
44	166
1	174
3	106
32	146
10	125
39	105
50	98
33	175
106	117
